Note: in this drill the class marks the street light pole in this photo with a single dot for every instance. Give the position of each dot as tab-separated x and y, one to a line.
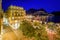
1	12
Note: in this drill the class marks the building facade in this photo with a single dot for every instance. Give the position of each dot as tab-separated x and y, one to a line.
15	15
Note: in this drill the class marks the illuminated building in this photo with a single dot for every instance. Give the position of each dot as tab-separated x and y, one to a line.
29	17
41	16
15	15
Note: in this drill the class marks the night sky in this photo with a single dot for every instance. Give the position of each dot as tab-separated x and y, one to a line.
48	5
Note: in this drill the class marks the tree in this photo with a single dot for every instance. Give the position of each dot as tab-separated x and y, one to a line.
57	33
39	34
27	28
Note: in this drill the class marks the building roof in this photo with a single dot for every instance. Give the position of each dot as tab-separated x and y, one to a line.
40	13
15	7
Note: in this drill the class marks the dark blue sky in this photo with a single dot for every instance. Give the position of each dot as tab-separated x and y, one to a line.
49	5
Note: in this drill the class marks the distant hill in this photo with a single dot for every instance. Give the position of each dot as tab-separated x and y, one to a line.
56	13
42	10
31	11
56	17
37	11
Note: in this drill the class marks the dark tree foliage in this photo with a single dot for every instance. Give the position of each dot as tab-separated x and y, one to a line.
38	33
41	33
58	33
27	28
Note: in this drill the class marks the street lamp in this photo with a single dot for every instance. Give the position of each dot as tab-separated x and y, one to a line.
1	20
